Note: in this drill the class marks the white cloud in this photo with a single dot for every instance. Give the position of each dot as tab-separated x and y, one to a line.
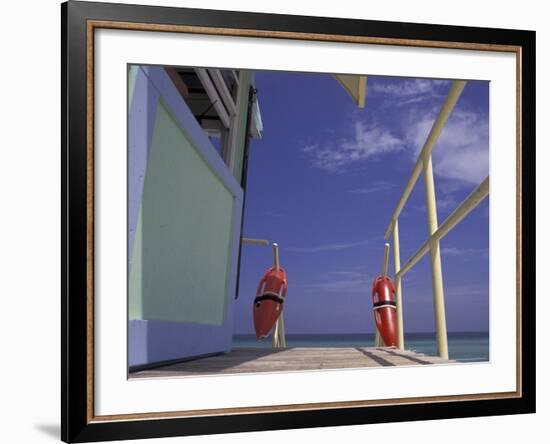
462	150
345	281
270	213
353	280
461	154
408	91
310	148
348	273
343	286
447	201
459	252
467	291
327	247
380	186
364	144
450	186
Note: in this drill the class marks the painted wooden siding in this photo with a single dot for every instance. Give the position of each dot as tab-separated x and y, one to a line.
184	233
184	219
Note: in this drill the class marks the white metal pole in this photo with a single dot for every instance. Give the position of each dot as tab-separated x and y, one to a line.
386	259
437	276
397	278
378	339
276	256
276	333
282	330
378	342
252	241
275	339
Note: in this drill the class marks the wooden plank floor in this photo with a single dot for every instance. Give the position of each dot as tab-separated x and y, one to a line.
253	360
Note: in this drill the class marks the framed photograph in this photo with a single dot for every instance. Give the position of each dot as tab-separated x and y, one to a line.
276	221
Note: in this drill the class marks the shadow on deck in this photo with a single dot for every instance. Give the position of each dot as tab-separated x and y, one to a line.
255	360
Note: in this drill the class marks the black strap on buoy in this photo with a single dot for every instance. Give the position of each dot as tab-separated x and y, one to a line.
270	297
381	304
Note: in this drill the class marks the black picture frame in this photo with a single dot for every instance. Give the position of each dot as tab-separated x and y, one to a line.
77	425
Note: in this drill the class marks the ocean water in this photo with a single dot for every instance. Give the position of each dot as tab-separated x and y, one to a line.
463	347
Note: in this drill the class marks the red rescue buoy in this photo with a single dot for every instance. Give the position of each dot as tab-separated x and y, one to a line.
270	297
384	307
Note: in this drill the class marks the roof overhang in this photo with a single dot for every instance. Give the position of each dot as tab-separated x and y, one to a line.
356	86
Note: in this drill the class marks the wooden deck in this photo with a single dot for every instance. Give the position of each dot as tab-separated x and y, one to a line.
254	360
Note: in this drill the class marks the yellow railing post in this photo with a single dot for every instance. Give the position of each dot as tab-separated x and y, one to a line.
397	278
378	339
275	338
279	339
436	232
282	330
276	256
440	121
437	276
385	260
471	202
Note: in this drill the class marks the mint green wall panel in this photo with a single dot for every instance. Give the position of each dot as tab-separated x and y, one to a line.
181	254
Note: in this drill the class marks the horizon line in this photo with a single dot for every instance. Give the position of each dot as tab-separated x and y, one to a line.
367	333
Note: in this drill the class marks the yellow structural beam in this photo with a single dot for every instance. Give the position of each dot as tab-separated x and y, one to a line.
444	113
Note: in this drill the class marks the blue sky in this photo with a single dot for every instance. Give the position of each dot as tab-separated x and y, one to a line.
324	180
